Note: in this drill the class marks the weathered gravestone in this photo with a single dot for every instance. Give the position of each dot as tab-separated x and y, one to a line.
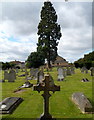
31	72
34	73
11	76
83	103
92	71
6	75
64	72
60	74
17	70
8	105
72	70
35	76
68	71
84	70
40	76
46	88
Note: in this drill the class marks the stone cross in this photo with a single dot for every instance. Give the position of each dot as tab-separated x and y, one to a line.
46	88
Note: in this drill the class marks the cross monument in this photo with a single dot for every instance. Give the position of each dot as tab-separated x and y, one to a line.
46	88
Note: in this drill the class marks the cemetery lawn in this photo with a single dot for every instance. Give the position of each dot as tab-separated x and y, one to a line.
61	105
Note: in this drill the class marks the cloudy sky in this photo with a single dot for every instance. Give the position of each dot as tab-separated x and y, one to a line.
18	29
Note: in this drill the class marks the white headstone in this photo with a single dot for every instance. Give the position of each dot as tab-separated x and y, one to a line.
60	74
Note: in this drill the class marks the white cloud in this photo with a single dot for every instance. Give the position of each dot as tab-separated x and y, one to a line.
12	50
20	21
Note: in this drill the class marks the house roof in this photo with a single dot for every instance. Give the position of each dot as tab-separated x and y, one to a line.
60	59
16	62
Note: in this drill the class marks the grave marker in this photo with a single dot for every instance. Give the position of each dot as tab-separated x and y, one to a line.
12	76
68	71
35	75
8	105
6	75
92	71
83	103
40	77
60	74
46	88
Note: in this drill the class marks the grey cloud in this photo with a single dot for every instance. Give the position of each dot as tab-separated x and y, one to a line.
74	18
74	14
24	16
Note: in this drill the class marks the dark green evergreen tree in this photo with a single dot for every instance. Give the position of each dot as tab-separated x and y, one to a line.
49	33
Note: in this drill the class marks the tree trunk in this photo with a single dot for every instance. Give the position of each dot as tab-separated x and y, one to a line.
48	60
49	64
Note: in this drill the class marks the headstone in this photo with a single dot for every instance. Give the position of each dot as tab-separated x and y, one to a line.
6	75
12	76
72	70
60	74
51	81
32	72
83	103
17	70
40	77
64	72
68	71
84	70
46	88
35	76
92	71
8	105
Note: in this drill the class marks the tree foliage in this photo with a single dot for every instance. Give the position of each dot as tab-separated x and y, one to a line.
7	65
35	60
49	32
87	61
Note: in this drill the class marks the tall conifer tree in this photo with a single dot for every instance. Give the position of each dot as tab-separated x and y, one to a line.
49	33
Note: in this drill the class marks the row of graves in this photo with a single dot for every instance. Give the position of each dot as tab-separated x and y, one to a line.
45	83
9	75
63	72
85	70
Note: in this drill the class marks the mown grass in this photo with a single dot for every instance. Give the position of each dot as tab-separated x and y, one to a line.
61	105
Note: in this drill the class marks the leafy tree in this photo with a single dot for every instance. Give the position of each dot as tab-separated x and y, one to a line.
49	33
6	66
87	61
35	60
